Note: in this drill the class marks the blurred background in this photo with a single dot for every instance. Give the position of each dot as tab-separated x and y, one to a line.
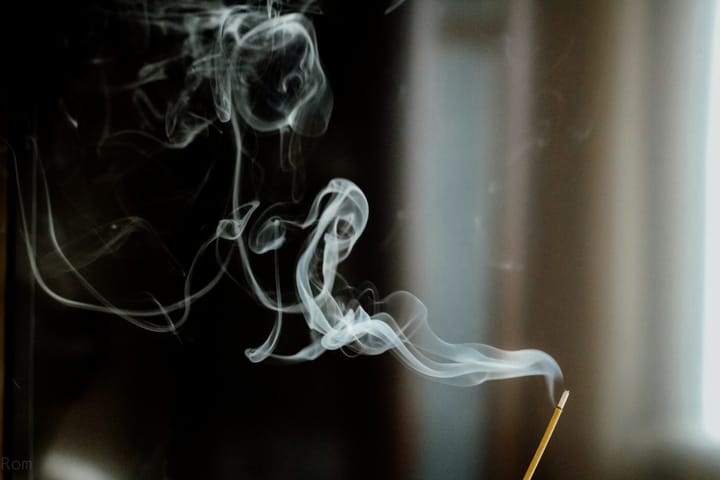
541	173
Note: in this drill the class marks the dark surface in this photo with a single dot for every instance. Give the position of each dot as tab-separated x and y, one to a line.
141	405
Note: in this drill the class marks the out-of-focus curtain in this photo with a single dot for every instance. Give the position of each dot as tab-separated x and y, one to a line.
592	244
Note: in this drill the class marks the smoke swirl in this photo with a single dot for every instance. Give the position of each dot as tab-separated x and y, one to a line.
256	67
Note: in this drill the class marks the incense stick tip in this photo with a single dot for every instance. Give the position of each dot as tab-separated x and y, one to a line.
563	399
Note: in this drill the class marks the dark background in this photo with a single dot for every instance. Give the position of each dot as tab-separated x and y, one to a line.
97	393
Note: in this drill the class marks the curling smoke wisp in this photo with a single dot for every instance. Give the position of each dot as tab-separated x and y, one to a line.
256	68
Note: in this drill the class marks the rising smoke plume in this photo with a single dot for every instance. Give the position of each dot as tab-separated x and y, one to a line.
254	67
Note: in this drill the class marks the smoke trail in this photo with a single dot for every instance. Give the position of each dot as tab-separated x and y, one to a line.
256	68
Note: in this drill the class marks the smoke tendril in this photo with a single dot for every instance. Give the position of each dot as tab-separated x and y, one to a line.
261	65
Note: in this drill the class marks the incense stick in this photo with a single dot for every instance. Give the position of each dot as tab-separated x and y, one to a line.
546	437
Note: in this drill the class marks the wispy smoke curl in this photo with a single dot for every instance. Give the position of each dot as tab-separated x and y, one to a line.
261	66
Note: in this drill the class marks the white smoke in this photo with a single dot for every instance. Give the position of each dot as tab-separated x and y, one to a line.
261	66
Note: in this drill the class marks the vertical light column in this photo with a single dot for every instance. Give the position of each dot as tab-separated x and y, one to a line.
452	137
711	306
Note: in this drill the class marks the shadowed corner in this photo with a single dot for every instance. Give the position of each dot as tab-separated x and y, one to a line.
4	154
